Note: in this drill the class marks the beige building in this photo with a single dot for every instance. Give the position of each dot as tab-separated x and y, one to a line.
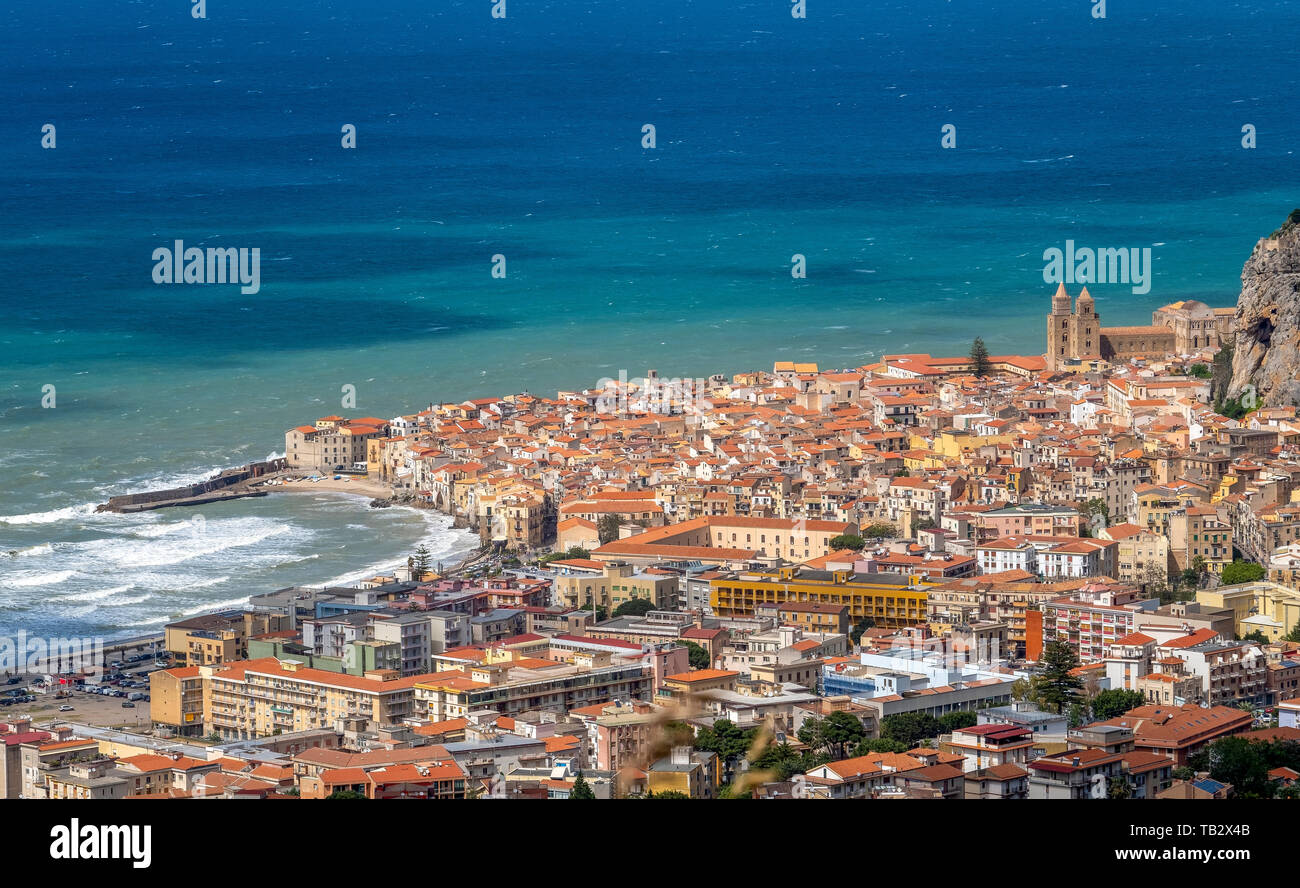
612	584
176	700
260	698
218	638
1141	556
1199	532
332	443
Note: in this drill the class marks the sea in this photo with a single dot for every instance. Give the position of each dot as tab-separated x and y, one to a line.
504	223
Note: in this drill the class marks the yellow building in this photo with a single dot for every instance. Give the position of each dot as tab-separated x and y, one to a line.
1268	607
218	638
690	772
954	443
892	600
610	585
684	684
176	700
260	698
1157	503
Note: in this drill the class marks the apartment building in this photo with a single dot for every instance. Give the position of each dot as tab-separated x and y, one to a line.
607	585
520	685
892	600
220	637
1141	555
260	698
1093	618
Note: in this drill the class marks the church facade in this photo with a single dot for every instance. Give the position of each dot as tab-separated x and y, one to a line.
1075	335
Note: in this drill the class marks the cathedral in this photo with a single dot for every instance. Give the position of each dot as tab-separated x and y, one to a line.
1075	335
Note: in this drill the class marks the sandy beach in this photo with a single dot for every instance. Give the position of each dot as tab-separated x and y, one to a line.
359	486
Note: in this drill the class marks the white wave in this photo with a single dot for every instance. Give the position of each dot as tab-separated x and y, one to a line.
193	541
42	549
52	516
39	579
126	602
311	557
154	531
100	594
203	584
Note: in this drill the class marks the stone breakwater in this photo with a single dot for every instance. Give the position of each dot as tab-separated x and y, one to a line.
229	484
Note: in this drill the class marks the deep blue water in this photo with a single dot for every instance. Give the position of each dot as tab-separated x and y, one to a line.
522	137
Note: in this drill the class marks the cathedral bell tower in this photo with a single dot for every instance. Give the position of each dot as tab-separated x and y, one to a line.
1060	345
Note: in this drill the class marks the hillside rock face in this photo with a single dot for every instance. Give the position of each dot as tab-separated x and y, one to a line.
1266	351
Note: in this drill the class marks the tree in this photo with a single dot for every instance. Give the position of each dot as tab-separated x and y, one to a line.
699	657
1200	371
839	732
345	794
910	728
580	789
1155	580
634	607
574	552
1242	572
1119	788
1114	703
668	794
1098	515
780	760
676	733
420	561
855	634
955	721
880	744
607	528
847	541
1294	634
1057	686
880	531
979	358
1258	637
727	741
1242	763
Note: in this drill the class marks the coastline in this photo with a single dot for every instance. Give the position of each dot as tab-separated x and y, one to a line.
358	486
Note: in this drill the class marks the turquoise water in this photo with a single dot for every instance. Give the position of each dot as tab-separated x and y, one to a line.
522	137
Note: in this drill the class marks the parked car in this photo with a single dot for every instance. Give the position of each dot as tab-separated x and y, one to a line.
126	704
65	708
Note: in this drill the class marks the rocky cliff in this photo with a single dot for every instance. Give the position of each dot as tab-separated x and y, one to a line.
1266	349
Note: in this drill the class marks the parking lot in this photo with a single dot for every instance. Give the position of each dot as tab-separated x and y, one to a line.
87	708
